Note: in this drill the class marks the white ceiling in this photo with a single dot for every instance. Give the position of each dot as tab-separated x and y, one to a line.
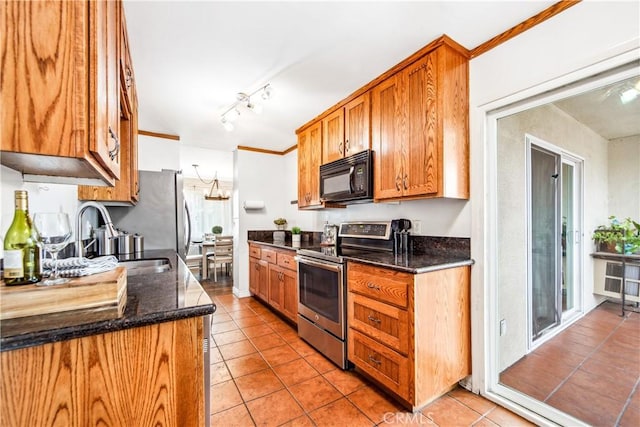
603	111
192	58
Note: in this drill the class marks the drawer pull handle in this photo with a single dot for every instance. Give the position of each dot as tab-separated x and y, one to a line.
373	286
374	360
373	319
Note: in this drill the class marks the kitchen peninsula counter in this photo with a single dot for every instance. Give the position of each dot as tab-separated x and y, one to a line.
151	298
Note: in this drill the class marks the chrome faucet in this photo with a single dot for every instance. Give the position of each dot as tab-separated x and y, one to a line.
110	230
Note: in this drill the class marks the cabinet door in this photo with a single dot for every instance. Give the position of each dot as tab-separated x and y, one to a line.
357	125
333	136
309	158
49	112
275	287
263	280
290	294
421	162
104	140
254	273
386	136
258	278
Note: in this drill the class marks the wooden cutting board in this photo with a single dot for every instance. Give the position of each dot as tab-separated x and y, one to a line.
98	290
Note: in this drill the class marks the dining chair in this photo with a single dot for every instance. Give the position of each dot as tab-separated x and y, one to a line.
194	258
220	255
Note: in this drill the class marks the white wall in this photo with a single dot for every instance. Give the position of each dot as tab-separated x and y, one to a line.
624	177
155	154
583	40
209	162
42	198
258	176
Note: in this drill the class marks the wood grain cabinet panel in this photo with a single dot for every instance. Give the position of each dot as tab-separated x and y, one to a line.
357	125
135	377
309	159
61	120
418	350
382	284
383	322
420	128
385	365
127	187
347	130
274	278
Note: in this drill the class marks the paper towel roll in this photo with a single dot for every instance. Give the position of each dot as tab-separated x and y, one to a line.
253	204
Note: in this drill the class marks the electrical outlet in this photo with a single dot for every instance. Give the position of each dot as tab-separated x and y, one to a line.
503	327
416	226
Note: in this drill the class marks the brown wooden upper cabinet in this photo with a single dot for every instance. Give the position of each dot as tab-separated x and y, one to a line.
60	90
347	130
126	189
309	157
415	117
419	121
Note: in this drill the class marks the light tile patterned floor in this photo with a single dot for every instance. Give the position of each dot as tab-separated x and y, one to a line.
591	370
263	374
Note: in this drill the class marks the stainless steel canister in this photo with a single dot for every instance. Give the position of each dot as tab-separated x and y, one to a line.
125	244
138	244
106	245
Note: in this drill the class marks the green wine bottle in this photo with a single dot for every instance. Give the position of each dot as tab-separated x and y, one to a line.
21	252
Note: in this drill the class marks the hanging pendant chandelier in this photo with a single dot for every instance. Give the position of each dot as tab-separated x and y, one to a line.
215	193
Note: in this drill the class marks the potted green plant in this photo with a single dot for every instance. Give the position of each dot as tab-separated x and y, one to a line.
280	223
618	236
295	235
217	230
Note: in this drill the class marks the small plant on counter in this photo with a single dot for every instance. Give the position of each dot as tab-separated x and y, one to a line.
280	223
295	230
216	229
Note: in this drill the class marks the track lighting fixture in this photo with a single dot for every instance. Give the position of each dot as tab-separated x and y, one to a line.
244	99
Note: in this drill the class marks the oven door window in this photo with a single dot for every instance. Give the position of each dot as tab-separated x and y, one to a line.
319	291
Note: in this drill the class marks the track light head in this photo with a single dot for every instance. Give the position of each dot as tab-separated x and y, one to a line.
267	92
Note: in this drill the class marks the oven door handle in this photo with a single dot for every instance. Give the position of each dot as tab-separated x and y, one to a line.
320	264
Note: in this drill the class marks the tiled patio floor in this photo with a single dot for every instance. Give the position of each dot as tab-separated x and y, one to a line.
263	374
591	370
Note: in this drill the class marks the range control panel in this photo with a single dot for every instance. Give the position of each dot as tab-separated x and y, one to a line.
366	229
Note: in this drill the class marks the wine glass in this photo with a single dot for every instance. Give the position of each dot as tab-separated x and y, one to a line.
54	233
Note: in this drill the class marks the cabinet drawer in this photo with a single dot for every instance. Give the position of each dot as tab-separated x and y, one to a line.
269	255
381	284
386	366
287	260
382	322
254	251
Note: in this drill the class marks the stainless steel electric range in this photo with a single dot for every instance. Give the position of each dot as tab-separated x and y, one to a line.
322	286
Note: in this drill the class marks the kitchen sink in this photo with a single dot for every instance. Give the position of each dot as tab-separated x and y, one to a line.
145	266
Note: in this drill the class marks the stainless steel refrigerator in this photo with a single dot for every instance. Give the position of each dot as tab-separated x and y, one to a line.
161	215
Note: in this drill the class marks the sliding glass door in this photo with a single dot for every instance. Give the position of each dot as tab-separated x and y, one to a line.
544	239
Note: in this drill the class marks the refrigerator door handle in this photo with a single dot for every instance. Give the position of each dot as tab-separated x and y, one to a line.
187	236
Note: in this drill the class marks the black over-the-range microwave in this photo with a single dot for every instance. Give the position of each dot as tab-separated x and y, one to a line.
348	180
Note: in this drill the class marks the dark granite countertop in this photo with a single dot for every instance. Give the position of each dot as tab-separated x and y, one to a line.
285	244
428	253
151	298
412	263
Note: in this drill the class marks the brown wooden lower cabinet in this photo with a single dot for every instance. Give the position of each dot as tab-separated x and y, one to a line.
410	333
273	278
147	376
